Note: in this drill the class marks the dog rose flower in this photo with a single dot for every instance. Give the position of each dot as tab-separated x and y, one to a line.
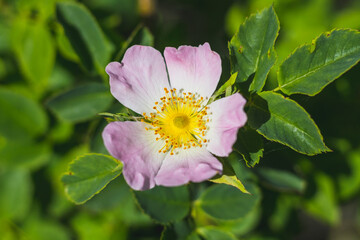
179	134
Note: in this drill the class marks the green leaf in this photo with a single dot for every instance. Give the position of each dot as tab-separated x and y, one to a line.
16	194
349	182
36	228
224	87
182	230
252	48
281	180
81	103
141	36
85	35
311	67
282	212
213	233
243	225
229	176
32	155
35	52
323	203
226	202
88	175
282	120
250	145
98	226
21	117
165	204
230	180
60	78
65	47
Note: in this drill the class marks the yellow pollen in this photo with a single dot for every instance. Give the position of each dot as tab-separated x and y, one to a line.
180	122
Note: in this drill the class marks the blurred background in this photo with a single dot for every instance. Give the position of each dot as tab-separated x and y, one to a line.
50	96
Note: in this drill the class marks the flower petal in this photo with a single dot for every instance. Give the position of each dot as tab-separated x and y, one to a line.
227	117
194	164
194	69
137	149
139	80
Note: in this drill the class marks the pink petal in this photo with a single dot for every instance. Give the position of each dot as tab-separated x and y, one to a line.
194	69
194	165
227	117
137	149
139	80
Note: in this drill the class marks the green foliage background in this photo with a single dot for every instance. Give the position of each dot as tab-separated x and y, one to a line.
53	84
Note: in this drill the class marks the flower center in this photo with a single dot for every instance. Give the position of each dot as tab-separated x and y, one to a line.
180	121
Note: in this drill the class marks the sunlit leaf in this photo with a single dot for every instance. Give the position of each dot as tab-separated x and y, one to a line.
16	190
252	48
65	47
230	180
35	52
224	87
88	175
311	67
323	203
36	228
283	120
93	227
213	233
349	183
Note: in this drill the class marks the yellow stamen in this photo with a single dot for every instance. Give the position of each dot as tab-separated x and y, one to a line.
180	121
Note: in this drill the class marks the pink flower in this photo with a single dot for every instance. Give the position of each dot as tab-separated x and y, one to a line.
175	141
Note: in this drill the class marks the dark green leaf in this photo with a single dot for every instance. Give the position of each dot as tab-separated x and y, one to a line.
250	145
165	204
85	35
311	67
283	120
88	175
81	103
243	225
226	202
141	36
252	48
181	230
281	180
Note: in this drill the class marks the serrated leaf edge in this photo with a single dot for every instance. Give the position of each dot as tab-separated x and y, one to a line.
318	130
309	45
69	173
